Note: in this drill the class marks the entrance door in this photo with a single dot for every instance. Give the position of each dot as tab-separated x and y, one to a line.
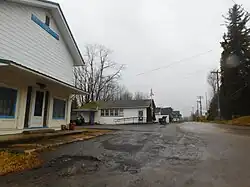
140	115
37	112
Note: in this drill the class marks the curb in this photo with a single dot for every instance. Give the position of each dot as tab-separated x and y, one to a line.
99	128
36	137
29	151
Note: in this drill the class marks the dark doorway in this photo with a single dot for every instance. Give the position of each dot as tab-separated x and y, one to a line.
27	110
92	118
149	115
46	109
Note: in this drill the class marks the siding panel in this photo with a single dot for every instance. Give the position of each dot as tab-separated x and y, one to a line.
26	43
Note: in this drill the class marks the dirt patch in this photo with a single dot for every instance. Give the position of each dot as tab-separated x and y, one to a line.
13	162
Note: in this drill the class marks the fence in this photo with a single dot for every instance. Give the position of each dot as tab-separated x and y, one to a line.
131	120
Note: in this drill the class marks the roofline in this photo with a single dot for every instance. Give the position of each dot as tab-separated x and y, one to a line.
132	107
84	110
12	63
64	19
69	31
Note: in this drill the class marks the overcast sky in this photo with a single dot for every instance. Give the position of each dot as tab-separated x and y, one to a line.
147	34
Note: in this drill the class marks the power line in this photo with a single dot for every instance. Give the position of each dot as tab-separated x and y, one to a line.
233	1
175	62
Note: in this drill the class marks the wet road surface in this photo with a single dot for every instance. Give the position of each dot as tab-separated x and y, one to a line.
188	154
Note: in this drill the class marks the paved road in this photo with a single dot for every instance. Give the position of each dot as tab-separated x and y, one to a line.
190	154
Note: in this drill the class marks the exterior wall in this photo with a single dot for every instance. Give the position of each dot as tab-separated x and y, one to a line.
26	43
128	113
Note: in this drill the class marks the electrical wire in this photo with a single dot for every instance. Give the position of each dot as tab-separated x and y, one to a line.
175	63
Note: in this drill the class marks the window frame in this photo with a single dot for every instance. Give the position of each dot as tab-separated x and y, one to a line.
102	112
65	109
47	20
105	114
121	112
15	103
116	112
111	112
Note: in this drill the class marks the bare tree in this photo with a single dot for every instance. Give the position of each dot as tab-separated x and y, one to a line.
99	75
212	81
124	94
140	96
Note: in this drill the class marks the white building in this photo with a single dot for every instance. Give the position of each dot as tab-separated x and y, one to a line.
37	55
119	112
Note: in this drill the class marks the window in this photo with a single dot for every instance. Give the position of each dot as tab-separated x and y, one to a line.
116	112
121	112
102	112
106	112
47	21
59	109
111	112
7	102
140	113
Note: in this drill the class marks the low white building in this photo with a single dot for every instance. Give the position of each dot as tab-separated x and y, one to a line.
37	55
119	112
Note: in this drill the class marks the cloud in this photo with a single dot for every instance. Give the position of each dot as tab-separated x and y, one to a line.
146	34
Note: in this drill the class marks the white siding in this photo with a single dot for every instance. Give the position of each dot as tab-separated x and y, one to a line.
128	113
26	43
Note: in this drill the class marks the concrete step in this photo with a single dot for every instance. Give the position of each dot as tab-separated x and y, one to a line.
38	131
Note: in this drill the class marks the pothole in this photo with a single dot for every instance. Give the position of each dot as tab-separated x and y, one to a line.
68	165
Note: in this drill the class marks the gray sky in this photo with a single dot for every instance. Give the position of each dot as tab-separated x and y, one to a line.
147	34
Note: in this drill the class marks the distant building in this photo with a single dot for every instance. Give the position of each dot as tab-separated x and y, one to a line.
117	112
176	116
169	113
163	112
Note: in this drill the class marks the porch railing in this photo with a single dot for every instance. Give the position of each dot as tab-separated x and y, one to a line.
131	120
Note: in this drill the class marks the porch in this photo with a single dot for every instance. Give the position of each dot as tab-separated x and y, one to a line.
31	100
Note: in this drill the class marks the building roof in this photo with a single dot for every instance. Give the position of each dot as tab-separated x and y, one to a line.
166	111
127	104
61	23
16	66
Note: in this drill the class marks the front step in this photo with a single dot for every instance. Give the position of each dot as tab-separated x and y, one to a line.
38	131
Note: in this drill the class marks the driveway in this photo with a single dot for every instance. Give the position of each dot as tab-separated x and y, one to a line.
188	154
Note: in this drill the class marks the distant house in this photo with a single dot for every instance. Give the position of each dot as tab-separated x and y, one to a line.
118	112
176	116
163	112
37	56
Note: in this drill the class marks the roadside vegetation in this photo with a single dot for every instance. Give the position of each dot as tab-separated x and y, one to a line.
14	162
230	88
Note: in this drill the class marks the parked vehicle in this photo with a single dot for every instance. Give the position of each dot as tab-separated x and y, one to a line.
163	120
80	120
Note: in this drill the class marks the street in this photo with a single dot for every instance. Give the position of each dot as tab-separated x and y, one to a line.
188	154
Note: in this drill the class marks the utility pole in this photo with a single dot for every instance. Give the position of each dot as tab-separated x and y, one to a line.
152	108
218	91
197	108
206	101
200	102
